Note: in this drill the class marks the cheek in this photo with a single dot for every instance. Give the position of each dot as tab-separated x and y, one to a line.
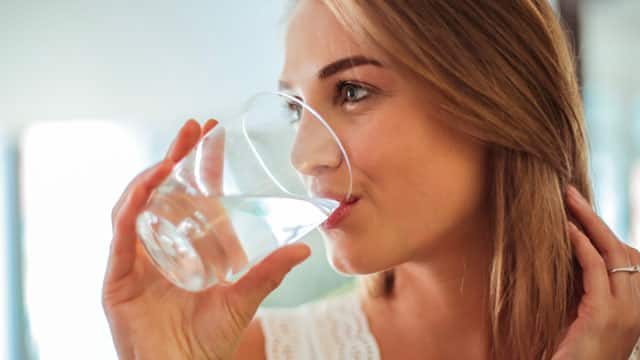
441	196
364	250
422	182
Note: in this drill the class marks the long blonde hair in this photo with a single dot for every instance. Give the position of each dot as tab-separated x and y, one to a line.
508	77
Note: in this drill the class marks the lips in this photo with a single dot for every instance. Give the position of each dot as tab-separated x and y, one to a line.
338	215
351	200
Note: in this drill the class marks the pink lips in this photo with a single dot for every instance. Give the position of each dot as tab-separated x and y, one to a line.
339	214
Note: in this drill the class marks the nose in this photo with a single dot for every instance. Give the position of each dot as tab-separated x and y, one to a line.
315	150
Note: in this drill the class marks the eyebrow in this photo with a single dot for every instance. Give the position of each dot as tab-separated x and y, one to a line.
339	66
345	64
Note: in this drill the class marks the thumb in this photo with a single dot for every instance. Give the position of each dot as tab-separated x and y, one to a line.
266	276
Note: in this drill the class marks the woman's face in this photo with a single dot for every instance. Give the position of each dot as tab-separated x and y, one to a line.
419	185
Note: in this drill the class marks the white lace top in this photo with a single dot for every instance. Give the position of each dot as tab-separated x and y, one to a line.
334	328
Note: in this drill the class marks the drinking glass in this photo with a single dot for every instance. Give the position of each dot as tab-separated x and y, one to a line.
253	184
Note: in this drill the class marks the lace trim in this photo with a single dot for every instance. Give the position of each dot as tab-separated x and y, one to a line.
635	354
284	335
330	329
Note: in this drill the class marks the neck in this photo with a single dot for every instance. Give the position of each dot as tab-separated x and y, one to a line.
450	291
443	295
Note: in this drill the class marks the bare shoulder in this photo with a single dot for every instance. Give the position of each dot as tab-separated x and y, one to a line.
251	345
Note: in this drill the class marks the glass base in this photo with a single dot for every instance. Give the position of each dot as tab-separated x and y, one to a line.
172	252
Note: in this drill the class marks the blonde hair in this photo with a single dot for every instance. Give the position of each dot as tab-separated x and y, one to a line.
508	78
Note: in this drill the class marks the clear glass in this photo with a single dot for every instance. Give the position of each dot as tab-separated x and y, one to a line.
252	185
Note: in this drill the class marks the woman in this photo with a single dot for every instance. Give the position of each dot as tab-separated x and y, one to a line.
464	127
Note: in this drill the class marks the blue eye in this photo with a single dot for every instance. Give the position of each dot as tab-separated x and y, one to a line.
351	93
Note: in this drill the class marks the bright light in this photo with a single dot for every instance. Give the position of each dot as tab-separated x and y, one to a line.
72	175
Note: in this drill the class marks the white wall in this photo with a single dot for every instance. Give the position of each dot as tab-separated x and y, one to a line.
4	244
154	62
611	69
610	39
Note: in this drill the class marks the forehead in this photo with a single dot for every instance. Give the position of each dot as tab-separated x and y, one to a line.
314	39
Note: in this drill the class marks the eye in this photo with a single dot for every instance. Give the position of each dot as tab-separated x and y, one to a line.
293	111
349	92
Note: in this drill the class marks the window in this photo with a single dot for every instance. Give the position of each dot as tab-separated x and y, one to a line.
72	174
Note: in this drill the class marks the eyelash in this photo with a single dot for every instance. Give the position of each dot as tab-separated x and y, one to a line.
341	96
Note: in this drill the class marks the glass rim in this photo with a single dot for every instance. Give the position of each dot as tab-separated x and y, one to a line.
315	114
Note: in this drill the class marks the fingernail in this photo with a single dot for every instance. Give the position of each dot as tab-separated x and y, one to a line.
303	253
308	252
209	125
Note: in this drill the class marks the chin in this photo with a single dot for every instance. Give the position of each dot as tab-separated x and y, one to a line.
342	254
357	256
342	267
350	262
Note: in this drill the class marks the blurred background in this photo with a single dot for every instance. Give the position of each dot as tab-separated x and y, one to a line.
93	92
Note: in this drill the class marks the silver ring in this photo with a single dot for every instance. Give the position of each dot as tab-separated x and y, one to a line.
629	269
